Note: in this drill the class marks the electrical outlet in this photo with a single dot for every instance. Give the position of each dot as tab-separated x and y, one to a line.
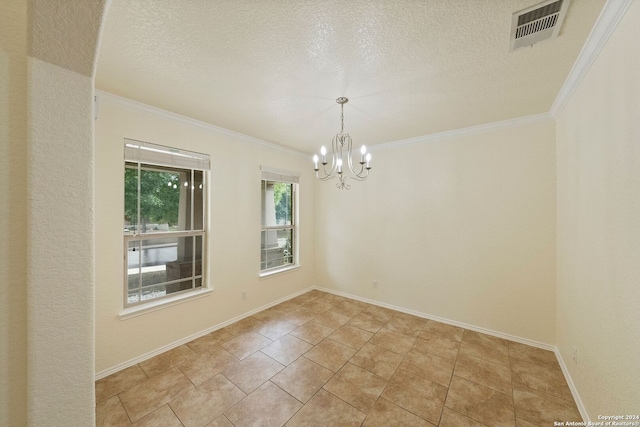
575	355
375	284
243	295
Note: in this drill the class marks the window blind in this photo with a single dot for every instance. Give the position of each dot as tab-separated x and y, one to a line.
153	154
271	174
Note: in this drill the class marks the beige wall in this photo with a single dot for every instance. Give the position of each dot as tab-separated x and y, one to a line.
598	230
462	228
234	243
13	212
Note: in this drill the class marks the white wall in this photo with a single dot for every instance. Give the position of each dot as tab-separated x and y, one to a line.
598	229
461	228
234	243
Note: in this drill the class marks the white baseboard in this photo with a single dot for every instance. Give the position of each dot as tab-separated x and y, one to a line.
572	387
502	335
185	340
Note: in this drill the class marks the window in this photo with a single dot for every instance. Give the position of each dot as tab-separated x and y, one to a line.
164	221
279	233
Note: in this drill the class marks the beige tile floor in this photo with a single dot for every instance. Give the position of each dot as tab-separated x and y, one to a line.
324	360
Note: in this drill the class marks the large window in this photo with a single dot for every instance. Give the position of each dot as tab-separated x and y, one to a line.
279	234
164	221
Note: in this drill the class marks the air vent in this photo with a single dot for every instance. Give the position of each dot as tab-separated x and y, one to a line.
537	23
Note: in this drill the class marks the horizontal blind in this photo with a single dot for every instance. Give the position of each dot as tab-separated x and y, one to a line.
271	174
153	154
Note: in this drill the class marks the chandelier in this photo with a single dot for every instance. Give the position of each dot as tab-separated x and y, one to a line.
341	145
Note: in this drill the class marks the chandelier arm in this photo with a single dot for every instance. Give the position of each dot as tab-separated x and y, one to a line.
326	177
364	170
330	173
338	148
324	168
350	146
361	171
327	174
336	153
360	177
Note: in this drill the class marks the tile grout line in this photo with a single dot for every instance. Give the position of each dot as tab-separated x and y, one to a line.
513	398
455	362
125	409
174	413
289	394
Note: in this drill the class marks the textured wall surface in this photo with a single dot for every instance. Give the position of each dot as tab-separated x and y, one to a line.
60	247
462	228
13	212
66	32
598	158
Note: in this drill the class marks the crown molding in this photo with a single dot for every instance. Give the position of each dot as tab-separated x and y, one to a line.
103	97
472	130
109	98
609	18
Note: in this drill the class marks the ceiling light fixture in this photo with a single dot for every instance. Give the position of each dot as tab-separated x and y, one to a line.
340	143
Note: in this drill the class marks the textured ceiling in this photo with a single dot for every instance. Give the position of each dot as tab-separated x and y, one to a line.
272	69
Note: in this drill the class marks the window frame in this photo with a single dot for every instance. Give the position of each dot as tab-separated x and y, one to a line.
141	156
269	174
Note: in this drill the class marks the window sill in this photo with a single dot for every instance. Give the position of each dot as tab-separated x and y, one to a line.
277	271
139	310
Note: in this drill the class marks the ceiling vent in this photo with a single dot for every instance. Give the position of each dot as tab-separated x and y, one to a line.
537	23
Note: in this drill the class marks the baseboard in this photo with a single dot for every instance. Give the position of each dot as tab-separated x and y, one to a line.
502	335
572	387
185	340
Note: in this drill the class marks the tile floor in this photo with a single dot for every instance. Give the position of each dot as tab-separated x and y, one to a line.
325	360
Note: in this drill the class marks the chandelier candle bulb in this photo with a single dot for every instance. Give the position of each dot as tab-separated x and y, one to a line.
339	165
315	162
323	151
363	151
368	166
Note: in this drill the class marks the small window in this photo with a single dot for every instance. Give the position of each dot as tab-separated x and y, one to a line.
164	221
279	232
